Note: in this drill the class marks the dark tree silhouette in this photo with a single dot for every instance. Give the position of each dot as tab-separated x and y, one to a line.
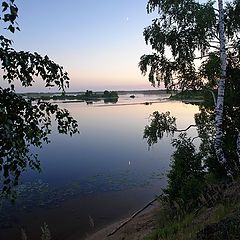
184	31
23	122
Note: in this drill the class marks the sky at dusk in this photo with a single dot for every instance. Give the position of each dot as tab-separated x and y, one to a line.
99	43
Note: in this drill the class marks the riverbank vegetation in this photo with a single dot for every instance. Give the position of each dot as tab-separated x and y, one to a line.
201	200
107	96
199	177
218	217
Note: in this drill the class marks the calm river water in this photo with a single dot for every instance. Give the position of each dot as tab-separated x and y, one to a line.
98	176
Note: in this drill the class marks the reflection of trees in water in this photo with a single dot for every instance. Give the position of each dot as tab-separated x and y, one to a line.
106	100
217	38
191	169
205	123
111	100
106	96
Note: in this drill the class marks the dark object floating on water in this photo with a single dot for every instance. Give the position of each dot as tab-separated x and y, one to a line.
147	103
132	96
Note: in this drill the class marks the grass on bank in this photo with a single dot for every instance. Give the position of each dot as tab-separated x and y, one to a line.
221	221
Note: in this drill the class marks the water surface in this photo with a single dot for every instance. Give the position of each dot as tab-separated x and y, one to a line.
104	173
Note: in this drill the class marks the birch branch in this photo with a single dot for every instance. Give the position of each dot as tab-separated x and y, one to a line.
196	137
213	96
212	46
218	42
190	126
201	57
216	36
184	130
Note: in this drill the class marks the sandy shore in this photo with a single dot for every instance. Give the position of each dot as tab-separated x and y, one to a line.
136	229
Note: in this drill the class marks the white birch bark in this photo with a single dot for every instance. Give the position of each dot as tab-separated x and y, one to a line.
238	146
221	88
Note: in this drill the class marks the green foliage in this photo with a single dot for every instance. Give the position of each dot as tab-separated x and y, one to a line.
221	221
88	93
173	229
24	66
206	131
107	96
232	18
210	69
24	123
232	125
232	82
9	15
186	30
186	177
111	94
181	29
160	123
189	95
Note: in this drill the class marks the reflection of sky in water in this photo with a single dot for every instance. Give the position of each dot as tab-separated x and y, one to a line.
108	156
110	143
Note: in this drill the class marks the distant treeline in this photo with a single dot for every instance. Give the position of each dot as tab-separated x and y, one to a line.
122	92
107	96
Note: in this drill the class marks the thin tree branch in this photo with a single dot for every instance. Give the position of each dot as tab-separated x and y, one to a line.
213	96
184	130
218	42
230	47
212	46
190	126
194	138
216	36
201	57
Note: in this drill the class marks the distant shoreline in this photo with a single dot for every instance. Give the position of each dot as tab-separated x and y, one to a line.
137	103
121	92
163	100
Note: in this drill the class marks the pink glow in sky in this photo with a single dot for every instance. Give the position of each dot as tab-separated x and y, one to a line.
99	43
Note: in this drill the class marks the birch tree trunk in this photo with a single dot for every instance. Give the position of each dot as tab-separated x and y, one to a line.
221	88
238	146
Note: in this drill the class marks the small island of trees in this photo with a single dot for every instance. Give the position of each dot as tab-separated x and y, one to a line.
88	96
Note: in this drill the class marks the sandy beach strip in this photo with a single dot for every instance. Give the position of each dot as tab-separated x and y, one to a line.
136	229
